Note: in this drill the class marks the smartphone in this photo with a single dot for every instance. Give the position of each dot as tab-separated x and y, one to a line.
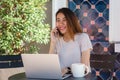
59	32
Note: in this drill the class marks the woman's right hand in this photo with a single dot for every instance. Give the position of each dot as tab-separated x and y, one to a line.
54	35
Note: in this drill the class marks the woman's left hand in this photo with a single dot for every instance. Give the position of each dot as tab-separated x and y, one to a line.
64	70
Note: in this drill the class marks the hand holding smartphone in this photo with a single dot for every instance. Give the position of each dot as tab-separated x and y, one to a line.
60	34
54	34
57	32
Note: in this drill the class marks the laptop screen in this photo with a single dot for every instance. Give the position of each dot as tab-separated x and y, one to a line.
42	66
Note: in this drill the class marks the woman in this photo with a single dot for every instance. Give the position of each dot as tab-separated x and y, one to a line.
68	40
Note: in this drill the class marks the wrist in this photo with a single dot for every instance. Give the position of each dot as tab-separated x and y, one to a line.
53	41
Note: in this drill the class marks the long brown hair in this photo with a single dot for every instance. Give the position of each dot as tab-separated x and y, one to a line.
72	22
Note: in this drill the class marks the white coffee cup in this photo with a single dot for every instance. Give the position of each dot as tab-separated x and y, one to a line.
78	69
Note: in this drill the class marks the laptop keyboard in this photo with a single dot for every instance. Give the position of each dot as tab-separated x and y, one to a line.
66	75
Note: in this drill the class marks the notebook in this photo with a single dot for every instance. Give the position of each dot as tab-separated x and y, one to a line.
44	66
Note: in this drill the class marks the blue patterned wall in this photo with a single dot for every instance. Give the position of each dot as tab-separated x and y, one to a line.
94	19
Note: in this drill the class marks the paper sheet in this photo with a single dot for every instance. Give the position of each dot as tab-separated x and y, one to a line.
117	47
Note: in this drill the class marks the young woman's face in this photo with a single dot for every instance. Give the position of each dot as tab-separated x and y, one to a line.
61	23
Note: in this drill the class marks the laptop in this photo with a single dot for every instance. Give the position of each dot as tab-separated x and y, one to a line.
45	66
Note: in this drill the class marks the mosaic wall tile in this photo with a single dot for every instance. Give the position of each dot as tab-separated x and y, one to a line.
106	1
85	6
105	74
93	1
118	74
93	71
79	13
106	14
92	30
78	2
100	6
99	78
118	58
105	30
85	22
93	16
72	5
111	49
97	48
100	22
99	37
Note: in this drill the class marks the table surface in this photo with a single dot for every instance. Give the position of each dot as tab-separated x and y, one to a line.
21	76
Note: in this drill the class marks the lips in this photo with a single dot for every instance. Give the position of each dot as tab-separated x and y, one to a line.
61	28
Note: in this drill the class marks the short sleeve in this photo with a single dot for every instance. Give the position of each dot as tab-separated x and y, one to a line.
85	42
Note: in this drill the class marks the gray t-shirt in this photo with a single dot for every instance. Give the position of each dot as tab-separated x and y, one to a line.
70	52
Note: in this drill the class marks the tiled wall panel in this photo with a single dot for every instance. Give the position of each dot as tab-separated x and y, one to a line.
93	16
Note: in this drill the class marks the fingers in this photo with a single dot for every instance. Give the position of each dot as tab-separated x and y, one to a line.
65	70
54	34
54	30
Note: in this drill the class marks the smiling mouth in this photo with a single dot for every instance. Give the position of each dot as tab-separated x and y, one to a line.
62	28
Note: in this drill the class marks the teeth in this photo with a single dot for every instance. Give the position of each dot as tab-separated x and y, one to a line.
62	28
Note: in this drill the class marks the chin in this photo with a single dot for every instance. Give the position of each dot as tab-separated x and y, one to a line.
62	32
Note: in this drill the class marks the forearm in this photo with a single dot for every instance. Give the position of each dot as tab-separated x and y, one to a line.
52	48
86	57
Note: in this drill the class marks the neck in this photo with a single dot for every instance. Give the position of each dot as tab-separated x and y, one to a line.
66	37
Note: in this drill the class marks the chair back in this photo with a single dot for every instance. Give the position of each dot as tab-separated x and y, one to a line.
102	61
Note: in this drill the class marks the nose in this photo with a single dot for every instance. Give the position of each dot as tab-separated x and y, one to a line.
61	22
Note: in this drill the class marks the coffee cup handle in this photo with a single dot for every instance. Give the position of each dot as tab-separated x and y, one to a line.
88	70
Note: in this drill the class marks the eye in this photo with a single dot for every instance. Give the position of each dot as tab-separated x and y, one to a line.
64	19
58	20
